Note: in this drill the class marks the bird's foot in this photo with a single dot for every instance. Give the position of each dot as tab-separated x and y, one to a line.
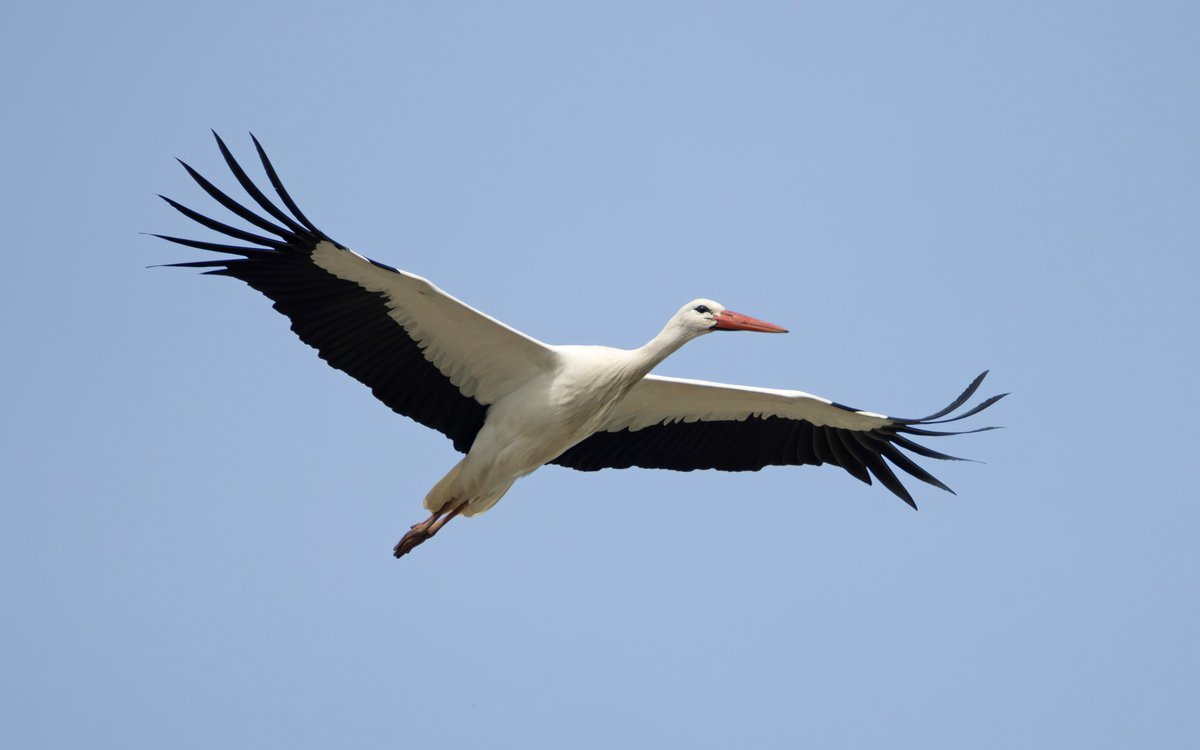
416	535
419	532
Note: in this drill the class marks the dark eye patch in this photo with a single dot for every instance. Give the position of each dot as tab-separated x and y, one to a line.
702	309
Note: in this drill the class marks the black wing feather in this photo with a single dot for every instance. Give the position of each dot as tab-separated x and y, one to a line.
348	326
276	183
252	189
759	441
857	465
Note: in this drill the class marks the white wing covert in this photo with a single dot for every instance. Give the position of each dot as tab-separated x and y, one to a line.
671	423
422	352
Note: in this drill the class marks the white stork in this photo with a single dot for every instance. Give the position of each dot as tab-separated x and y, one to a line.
512	403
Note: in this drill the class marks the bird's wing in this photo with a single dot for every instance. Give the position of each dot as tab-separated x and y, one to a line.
422	352
670	423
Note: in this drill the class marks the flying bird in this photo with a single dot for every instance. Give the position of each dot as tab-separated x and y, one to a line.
512	403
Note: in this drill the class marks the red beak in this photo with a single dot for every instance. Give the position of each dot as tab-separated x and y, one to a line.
728	320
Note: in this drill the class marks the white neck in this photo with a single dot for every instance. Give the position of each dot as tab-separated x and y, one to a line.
668	340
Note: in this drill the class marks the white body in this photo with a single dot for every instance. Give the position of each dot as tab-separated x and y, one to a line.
535	423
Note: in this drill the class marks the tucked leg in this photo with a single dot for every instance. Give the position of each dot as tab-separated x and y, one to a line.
426	529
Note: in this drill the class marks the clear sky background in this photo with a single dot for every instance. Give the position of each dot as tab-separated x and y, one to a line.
198	514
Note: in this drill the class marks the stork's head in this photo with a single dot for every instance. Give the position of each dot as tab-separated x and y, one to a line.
705	315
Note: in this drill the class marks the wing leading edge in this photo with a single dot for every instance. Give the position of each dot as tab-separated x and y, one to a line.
423	353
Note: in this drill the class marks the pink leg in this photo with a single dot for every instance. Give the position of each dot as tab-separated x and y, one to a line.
426	529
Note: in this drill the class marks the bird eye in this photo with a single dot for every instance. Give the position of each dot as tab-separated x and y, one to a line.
703	309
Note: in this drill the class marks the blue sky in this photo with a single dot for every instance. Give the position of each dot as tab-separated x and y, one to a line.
199	514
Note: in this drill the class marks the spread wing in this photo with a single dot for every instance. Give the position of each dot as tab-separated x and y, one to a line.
670	423
422	352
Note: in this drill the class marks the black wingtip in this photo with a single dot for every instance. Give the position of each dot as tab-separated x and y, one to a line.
893	437
282	192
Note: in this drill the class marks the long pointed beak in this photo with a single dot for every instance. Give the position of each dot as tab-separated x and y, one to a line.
728	320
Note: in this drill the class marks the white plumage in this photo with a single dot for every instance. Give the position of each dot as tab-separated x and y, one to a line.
513	403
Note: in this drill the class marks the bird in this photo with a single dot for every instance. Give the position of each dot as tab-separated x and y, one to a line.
511	403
